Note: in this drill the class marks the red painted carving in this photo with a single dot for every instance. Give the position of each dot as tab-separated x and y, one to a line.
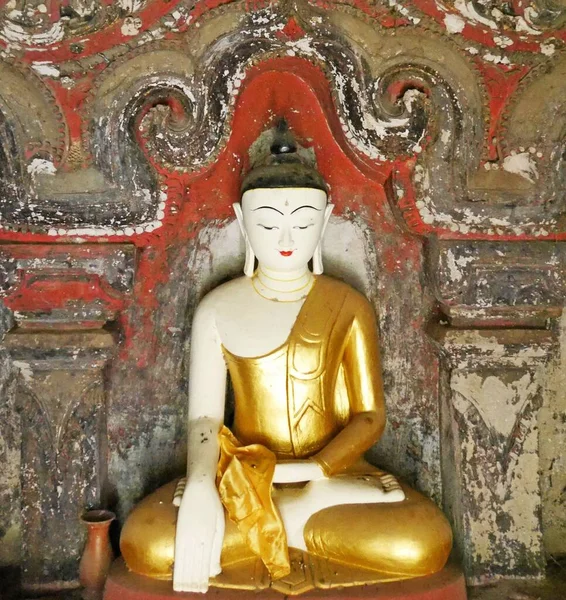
293	30
73	292
285	87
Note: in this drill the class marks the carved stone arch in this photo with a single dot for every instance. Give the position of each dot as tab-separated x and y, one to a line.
394	94
11	162
31	112
31	130
136	84
529	172
371	72
535	133
195	94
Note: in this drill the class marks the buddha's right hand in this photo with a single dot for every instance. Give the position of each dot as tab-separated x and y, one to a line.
199	537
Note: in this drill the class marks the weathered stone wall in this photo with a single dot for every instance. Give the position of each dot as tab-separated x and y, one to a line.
552	436
125	128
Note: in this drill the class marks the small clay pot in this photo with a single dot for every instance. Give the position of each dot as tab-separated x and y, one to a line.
97	555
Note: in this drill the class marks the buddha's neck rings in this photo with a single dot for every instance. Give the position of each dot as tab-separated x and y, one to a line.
282	287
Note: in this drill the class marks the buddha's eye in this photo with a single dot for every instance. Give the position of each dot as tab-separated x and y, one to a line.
267	227
303	226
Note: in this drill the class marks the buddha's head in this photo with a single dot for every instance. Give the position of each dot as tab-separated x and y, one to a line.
284	210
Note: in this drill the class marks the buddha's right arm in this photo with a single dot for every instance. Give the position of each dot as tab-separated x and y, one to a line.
200	520
207	392
203	449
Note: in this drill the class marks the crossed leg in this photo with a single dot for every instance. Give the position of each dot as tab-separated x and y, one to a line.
400	538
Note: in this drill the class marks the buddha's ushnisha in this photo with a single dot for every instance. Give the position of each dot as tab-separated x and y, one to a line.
301	350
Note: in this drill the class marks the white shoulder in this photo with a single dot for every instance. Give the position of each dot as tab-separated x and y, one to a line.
217	300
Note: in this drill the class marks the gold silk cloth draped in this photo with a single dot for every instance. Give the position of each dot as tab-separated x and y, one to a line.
244	479
291	403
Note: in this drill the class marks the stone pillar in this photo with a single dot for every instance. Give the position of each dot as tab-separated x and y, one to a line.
490	438
499	304
62	409
63	299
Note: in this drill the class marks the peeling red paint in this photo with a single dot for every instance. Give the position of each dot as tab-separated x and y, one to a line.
297	90
500	87
285	87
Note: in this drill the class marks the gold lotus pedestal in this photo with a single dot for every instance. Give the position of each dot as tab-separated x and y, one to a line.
311	577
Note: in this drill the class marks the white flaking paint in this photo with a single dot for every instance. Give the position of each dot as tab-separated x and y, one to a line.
445	136
521	164
131	6
410	97
46	68
454	23
456	265
503	41
131	26
467	10
25	370
403	10
85	8
526	23
13	33
496	59
548	49
40	166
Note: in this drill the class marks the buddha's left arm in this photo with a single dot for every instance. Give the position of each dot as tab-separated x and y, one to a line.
362	371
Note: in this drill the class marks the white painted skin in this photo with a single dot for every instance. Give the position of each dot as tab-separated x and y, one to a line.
235	315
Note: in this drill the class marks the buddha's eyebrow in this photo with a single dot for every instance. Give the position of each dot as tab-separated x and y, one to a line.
305	206
270	208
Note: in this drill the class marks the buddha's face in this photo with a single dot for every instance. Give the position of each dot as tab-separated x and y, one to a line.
284	225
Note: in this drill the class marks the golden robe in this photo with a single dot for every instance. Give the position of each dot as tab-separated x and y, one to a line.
318	395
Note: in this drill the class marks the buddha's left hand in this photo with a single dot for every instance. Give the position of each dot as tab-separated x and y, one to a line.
295	471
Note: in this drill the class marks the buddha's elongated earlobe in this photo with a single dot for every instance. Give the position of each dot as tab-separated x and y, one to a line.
317	266
249	264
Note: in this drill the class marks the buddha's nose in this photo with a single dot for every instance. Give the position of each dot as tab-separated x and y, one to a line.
286	238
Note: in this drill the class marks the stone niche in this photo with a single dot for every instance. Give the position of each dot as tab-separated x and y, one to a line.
125	129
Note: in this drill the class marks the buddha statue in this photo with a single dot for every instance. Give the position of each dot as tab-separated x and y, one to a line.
284	498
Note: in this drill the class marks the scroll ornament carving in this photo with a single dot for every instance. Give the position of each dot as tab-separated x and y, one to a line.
415	99
46	22
503	196
186	126
532	18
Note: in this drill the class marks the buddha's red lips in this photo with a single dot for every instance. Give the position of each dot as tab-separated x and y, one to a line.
285	252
